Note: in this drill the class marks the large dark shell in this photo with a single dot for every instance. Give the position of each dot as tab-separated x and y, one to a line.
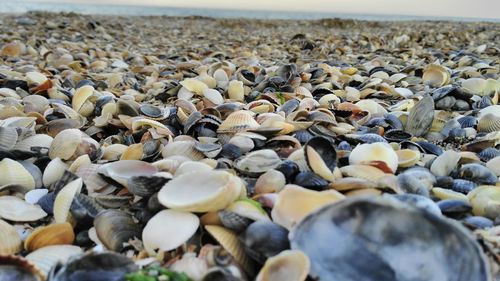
264	239
370	239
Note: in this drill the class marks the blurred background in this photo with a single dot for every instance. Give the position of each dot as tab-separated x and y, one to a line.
289	9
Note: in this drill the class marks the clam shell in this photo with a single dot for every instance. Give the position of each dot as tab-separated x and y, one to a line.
213	96
290	265
201	191
436	75
363	172
114	228
443	194
249	209
82	160
71	143
485	201
494	165
93	181
113	152
177	226
238	121
122	171
295	202
356	225
348	183
15	209
53	234
19	268
270	181
194	85
80	98
8	137
257	162
133	152
64	199
230	242
47	257
407	157
489	123
365	153
321	157
14	174
11	242
445	163
54	171
421	117
139	123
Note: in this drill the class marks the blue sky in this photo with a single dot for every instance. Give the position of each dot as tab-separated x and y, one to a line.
451	8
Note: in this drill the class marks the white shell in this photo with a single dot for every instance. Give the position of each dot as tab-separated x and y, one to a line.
45	258
168	230
290	265
54	171
121	171
445	163
64	199
15	209
378	151
201	191
13	173
34	195
38	140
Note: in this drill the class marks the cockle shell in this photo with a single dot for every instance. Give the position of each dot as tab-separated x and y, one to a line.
292	265
365	153
64	199
167	230
13	173
47	257
71	143
11	241
54	171
201	191
52	234
15	209
436	75
238	121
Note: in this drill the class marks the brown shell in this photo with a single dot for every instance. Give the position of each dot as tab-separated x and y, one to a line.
53	234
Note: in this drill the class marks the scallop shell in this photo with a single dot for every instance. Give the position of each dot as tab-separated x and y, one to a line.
54	171
15	209
230	242
14	174
201	191
436	75
8	137
238	121
11	242
38	140
185	148
295	202
71	143
236	91
47	257
64	199
407	157
292	265
168	230
489	123
365	153
52	234
122	171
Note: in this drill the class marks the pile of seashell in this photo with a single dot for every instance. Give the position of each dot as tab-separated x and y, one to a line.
248	150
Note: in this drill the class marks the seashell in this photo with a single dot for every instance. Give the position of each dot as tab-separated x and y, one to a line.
177	226
47	257
367	138
329	225
127	107
229	241
13	49
213	96
270	181
397	135
365	153
8	138
11	241
443	194
185	148
421	116
64	199
55	126
18	268
321	157
72	143
494	165
485	201
295	202
310	180
463	186
407	157
145	186
257	162
478	174
264	239
113	151
430	148
34	195
82	160
248	208
489	153
14	173
122	171
194	267
53	234
467	121
205	192
445	163
362	171
95	266
80	100
446	103
418	201
151	111
375	109
288	265
194	85
114	228
36	141
191	166
15	209
411	184
451	207
93	181
54	171
477	222
238	121
489	123
436	75
245	144
133	152
139	123
233	221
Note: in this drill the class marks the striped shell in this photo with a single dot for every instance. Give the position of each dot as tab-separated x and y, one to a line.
489	123
11	242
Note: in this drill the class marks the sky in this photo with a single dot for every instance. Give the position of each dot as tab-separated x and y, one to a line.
448	8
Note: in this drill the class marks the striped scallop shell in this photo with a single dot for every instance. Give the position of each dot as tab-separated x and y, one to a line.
14	173
489	123
47	257
64	199
11	242
238	121
8	137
